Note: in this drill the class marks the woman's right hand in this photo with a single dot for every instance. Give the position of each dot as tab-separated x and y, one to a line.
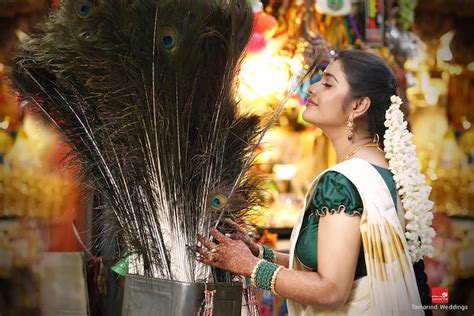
237	233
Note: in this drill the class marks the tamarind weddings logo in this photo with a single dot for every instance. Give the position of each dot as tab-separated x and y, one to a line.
439	295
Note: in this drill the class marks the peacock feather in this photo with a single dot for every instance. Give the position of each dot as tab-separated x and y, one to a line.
144	92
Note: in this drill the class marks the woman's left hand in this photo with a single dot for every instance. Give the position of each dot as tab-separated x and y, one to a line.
230	255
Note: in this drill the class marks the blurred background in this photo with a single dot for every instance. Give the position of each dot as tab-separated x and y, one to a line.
47	222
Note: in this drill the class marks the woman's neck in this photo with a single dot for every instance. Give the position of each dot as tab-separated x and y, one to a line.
343	146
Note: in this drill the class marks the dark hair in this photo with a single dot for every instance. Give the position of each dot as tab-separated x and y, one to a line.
369	76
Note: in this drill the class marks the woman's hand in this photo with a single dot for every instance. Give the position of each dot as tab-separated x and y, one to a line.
239	234
230	255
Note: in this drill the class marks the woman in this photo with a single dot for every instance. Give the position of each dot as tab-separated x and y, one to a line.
353	246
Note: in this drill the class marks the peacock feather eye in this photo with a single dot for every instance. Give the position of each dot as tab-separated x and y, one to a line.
84	9
85	34
218	201
168	39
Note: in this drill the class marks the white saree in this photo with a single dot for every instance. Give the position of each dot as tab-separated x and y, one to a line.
390	286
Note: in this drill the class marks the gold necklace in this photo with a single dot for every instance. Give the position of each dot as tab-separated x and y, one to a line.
354	151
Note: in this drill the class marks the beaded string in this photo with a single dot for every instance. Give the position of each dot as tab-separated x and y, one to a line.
251	298
208	303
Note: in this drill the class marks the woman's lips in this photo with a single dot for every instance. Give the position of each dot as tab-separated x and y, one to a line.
310	102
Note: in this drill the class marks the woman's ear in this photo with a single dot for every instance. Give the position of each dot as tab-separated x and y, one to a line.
361	106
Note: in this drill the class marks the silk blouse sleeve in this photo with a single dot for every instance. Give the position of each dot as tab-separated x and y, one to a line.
335	193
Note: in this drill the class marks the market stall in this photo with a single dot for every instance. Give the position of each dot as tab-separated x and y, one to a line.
40	199
434	68
429	47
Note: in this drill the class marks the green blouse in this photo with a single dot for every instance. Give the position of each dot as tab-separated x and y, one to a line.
334	193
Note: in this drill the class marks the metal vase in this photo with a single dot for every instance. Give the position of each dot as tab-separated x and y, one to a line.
145	296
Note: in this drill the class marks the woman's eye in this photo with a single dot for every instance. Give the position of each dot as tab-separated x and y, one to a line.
326	84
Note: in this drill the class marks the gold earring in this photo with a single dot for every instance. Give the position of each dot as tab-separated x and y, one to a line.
350	126
376	139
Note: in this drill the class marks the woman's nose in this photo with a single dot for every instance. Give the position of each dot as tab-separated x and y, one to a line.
312	89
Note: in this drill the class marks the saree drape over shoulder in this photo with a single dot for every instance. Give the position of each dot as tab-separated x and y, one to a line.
390	286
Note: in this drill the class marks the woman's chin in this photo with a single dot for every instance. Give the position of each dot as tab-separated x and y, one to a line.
309	117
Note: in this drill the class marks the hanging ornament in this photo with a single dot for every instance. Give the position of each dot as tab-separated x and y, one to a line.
257	5
403	45
265	24
257	43
334	7
374	23
406	13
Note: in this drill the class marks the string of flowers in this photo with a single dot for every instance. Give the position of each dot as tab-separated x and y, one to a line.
401	155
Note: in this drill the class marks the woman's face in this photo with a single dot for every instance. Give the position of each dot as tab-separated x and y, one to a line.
327	99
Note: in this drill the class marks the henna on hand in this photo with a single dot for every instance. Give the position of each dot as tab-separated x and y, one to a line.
228	254
239	234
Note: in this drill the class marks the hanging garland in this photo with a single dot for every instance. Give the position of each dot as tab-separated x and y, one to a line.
406	15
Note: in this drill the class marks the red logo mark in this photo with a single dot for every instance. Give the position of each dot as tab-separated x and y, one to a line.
439	295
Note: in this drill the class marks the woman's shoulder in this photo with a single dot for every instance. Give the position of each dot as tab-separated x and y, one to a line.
333	177
336	193
359	171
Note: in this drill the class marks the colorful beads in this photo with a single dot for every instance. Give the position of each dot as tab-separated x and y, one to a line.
268	254
263	275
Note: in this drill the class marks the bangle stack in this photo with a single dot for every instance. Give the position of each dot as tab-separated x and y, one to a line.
274	276
268	254
264	275
254	272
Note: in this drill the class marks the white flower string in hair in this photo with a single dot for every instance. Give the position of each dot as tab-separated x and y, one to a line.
401	155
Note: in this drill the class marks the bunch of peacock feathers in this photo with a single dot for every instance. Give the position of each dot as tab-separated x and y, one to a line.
143	91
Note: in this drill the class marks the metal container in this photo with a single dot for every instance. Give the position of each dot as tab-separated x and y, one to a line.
145	296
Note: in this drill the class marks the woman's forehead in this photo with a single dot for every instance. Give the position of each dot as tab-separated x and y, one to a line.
333	67
334	70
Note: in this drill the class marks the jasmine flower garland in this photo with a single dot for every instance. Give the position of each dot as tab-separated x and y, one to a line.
401	155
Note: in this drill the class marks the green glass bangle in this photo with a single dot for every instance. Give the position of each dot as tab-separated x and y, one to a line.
264	275
268	254
254	271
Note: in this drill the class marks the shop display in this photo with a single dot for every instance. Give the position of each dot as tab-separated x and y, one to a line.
31	155
38	199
